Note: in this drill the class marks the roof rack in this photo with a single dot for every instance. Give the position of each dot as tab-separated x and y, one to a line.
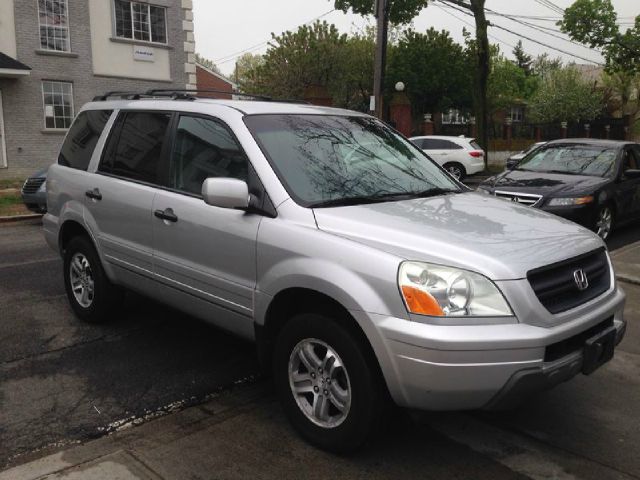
186	94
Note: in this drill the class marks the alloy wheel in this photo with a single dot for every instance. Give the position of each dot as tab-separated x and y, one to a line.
604	223
455	171
81	278
320	383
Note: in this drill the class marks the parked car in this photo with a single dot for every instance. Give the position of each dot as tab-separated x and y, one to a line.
361	270
460	156
514	159
595	183
34	192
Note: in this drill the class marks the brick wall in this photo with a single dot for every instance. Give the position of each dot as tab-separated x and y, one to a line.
29	146
208	81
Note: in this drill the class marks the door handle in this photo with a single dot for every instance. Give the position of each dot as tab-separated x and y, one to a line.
166	214
93	194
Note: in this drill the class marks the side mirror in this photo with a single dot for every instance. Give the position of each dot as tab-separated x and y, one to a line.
226	193
511	164
632	173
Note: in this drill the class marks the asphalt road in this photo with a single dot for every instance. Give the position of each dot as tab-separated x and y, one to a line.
62	381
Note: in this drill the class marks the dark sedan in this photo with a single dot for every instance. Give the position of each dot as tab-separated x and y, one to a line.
593	182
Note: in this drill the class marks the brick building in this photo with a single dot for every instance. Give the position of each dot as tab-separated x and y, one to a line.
56	55
208	79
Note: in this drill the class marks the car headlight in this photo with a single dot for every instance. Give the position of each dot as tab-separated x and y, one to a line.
569	201
43	187
439	291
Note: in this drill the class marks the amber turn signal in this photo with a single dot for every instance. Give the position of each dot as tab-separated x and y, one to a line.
421	302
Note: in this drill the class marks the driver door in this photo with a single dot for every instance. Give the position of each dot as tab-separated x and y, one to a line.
207	252
629	187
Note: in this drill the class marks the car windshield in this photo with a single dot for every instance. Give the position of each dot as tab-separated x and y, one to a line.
327	160
593	160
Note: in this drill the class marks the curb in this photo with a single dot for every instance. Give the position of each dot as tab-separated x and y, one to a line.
628	279
20	218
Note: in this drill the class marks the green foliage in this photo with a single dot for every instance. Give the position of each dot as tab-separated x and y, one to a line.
543	65
434	68
244	65
508	84
207	63
400	11
593	23
316	56
523	60
564	96
621	95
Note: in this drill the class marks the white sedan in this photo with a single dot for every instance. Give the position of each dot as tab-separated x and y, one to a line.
460	156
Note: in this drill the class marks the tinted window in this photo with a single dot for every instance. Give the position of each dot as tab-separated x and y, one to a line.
418	142
82	138
324	159
135	148
577	159
439	144
204	148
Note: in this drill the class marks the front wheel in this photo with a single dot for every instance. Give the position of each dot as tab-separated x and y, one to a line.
329	389
456	170
604	222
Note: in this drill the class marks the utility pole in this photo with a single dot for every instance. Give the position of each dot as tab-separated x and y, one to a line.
382	13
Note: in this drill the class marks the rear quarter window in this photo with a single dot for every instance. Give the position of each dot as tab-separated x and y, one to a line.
82	138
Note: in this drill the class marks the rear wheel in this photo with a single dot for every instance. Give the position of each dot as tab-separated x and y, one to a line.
92	296
604	222
456	170
329	389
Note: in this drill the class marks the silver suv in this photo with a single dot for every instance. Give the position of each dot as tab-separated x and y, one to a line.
366	274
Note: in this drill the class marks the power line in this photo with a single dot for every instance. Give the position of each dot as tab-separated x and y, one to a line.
550	5
492	24
235	55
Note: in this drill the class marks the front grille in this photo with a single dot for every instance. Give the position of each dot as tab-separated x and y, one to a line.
32	185
529	199
569	345
556	287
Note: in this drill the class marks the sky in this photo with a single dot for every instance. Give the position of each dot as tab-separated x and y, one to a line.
226	29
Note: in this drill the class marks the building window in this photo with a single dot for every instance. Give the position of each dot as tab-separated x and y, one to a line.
57	98
454	117
140	21
54	25
516	114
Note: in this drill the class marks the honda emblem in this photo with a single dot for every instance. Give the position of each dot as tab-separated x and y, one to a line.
582	282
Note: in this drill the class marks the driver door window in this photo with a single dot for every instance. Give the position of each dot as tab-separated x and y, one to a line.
204	148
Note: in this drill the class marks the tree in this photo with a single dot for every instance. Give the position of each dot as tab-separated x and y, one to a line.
523	60
207	63
593	23
403	11
564	96
508	84
621	93
543	65
310	56
434	69
245	64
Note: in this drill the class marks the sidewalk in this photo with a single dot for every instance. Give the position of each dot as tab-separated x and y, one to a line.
626	262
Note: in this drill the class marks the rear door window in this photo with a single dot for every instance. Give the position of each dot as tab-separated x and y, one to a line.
136	147
82	138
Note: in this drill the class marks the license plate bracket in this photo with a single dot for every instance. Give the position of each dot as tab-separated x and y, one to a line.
598	350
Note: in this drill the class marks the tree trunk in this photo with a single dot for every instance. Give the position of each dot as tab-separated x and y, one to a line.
481	77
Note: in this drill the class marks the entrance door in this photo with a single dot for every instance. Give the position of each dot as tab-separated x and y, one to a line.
3	144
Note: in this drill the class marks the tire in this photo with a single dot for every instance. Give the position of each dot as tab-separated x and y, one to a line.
366	399
95	298
456	170
605	219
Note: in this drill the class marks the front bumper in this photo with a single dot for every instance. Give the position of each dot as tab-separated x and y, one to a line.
463	367
36	202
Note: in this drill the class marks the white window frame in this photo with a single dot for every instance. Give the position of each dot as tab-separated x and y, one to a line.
44	105
66	27
132	38
516	114
454	117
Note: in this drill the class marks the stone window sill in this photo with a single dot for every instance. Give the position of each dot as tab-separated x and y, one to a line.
141	42
54	131
55	53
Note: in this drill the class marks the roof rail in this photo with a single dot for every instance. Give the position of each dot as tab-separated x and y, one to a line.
116	93
189	93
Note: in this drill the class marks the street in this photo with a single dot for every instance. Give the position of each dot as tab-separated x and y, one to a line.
63	382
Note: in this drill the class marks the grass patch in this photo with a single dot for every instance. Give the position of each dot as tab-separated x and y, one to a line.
11	183
12	205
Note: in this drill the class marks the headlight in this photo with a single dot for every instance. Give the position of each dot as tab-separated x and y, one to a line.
43	187
568	201
440	291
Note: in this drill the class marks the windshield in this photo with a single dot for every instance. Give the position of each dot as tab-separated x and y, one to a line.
593	160
335	160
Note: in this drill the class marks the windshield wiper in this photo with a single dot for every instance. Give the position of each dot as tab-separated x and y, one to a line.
364	199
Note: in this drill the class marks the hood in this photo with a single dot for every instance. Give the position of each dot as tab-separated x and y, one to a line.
545	184
474	231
